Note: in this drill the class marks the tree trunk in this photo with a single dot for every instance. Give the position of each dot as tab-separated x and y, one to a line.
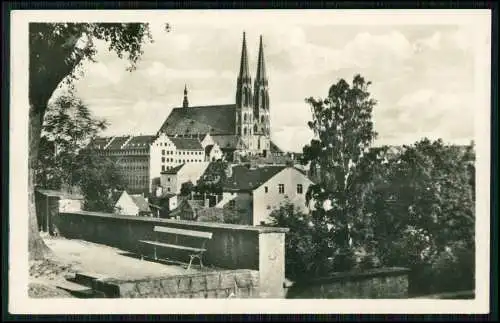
37	249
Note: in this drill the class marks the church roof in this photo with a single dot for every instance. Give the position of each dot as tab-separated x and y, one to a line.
213	119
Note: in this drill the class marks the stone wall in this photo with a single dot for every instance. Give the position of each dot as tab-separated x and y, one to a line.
231	247
222	284
377	283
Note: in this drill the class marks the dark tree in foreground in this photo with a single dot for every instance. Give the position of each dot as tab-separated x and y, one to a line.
56	53
339	157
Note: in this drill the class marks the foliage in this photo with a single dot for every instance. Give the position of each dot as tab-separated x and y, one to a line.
340	160
186	188
213	179
56	55
422	207
67	128
306	252
100	179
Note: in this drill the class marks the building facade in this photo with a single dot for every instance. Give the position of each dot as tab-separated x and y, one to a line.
132	156
262	189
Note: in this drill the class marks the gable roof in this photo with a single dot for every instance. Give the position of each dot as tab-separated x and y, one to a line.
274	148
213	119
208	149
244	178
186	143
141	202
174	170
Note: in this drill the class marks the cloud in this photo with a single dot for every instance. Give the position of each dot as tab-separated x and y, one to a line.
417	98
422	75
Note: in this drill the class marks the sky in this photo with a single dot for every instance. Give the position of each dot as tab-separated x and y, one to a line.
422	74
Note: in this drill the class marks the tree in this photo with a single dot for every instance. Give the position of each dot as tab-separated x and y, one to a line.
306	251
99	179
56	54
339	157
67	128
186	188
423	213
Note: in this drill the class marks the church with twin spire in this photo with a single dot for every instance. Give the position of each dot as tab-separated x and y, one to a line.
244	127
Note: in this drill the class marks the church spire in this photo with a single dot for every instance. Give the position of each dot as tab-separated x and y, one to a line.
261	66
244	72
185	102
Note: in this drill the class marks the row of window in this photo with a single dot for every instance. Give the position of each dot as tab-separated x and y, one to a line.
171	160
137	180
123	152
169	152
281	189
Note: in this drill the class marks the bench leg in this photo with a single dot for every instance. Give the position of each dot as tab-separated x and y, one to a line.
190	261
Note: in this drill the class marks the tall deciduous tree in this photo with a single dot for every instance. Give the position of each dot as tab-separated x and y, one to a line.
67	128
339	155
57	50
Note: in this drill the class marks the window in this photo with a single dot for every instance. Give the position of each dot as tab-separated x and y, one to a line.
266	189
299	188
168	179
163	159
281	188
232	203
162	168
168	189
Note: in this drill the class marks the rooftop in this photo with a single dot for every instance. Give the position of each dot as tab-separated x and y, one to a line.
186	143
213	119
244	178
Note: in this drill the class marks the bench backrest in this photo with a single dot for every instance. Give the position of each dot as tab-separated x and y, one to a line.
191	233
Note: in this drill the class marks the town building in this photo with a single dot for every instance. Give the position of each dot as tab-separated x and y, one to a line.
172	179
132	204
254	192
132	156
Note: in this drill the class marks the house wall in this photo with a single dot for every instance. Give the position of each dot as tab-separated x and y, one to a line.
126	206
170	183
67	205
264	203
172	202
215	153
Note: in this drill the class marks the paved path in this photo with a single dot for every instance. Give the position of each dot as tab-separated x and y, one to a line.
110	262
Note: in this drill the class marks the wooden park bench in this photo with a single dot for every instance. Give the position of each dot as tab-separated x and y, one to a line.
194	252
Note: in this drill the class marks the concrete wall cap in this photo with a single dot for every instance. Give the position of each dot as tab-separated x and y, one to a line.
200	225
